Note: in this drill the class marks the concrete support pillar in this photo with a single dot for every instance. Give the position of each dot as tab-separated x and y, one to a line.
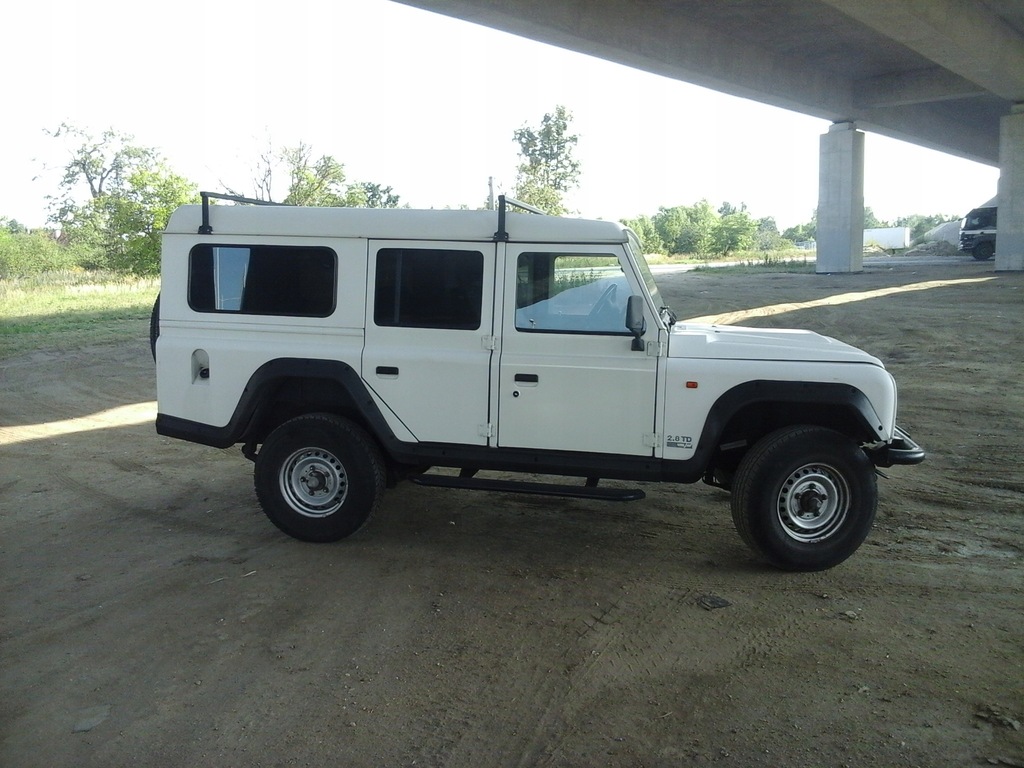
840	230
1010	199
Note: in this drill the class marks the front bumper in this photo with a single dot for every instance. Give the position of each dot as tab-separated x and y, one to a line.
900	450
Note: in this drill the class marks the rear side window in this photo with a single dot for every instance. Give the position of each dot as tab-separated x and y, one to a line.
263	280
428	288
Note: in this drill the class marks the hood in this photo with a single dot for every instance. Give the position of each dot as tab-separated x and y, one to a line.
725	342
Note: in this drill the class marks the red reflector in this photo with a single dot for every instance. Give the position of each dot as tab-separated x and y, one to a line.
691	385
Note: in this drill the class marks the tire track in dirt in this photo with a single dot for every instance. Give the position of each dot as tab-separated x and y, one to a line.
628	641
625	642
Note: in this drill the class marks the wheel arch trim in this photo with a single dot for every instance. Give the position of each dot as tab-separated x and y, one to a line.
257	396
765	393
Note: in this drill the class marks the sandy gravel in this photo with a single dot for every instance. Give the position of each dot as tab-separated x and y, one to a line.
151	615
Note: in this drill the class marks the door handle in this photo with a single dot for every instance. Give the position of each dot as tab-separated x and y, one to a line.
527	378
389	371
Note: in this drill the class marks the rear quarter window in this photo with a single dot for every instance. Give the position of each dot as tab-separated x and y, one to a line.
299	281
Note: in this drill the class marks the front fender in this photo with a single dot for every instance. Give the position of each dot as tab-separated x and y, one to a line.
750	410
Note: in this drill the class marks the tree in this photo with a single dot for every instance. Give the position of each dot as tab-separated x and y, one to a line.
920	225
871	221
140	214
366	194
698	237
700	230
767	237
645	229
262	177
316	183
803	232
687	229
12	226
670	224
735	229
131	193
548	169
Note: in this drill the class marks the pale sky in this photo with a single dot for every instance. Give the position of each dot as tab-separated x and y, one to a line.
414	100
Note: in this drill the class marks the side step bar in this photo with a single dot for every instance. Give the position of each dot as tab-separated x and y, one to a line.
588	491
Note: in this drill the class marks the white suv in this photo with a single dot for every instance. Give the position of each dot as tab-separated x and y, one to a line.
347	349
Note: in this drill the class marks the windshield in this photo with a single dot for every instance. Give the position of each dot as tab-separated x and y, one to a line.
648	277
980	218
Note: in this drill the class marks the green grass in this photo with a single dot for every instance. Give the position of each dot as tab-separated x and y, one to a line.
67	310
787	260
796	266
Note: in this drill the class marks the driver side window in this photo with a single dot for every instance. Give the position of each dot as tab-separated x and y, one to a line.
570	293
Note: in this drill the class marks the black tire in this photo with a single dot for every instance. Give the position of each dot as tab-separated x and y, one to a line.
984	251
154	326
319	477
804	498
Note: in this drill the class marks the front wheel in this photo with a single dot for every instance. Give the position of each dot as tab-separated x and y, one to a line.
319	477
804	498
984	251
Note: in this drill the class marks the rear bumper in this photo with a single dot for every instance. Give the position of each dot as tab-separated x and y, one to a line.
900	450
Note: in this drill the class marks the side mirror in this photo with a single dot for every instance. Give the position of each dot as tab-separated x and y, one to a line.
635	322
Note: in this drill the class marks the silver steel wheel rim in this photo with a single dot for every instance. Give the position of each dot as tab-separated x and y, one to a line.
314	482
813	503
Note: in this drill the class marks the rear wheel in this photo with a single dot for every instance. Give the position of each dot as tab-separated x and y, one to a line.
804	498
319	477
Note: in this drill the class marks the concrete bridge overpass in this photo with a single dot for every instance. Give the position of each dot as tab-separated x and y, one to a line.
945	74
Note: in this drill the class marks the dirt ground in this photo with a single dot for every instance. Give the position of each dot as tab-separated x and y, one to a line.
151	615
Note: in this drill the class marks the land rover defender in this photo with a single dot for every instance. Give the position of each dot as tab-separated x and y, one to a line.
348	349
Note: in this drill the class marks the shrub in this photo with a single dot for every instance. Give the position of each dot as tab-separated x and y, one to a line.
31	253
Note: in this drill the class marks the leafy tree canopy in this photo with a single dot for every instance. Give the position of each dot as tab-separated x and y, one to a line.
697	229
318	181
548	169
12	226
366	194
921	225
130	195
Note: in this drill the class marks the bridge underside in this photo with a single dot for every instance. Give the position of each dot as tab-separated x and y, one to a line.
944	74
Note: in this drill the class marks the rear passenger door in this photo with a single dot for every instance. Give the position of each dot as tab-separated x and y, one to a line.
429	334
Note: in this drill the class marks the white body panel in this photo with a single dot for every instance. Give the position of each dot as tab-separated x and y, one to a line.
757	344
390	223
496	385
573	391
433	380
707	361
233	347
591	394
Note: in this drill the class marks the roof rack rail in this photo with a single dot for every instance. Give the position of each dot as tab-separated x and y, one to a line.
206	229
503	203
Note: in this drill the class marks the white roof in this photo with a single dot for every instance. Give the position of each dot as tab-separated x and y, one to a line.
391	224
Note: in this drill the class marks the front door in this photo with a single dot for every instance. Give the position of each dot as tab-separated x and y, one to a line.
568	378
429	334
